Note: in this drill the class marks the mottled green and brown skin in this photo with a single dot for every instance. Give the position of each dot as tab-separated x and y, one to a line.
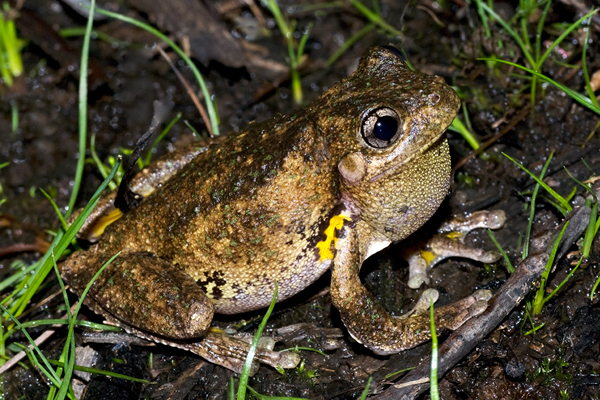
229	220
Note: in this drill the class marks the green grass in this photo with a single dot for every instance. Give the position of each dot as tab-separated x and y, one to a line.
532	52
210	106
295	50
563	206
374	16
536	189
539	300
11	65
433	376
242	386
509	265
458	126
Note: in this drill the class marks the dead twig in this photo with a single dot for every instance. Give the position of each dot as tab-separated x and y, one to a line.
189	91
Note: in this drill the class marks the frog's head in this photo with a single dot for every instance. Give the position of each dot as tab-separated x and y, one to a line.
387	126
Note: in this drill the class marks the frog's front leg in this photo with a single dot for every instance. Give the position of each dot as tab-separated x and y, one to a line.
449	242
369	323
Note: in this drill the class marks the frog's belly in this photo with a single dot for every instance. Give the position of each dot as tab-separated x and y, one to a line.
249	289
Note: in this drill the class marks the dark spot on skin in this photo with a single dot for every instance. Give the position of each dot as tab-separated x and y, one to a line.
215	277
217	293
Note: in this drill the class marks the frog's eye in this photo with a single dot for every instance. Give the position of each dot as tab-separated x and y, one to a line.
381	128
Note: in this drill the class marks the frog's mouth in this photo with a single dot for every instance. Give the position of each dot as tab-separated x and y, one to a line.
392	169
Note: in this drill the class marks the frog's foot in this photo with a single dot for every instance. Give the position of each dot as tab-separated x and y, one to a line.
451	244
415	324
452	316
231	352
480	219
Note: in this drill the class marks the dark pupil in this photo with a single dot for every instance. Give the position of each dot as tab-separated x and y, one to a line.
385	128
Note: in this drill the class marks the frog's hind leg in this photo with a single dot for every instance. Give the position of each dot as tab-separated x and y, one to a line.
142	291
152	299
370	324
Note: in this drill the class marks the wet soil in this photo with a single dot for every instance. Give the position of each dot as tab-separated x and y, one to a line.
559	360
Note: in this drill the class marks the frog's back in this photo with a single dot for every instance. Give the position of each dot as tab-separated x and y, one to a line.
241	216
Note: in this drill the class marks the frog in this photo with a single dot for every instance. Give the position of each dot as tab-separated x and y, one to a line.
222	225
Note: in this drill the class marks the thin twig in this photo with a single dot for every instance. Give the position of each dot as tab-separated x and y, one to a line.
189	91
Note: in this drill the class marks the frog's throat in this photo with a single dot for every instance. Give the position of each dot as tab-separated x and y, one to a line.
422	150
335	224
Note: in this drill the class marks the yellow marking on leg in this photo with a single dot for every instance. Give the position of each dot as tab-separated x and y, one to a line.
103	222
335	223
455	235
427	256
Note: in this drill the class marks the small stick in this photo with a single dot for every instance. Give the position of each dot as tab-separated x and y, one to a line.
189	91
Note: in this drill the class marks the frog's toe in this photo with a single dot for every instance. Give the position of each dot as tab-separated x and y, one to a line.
482	294
417	269
289	359
456	314
496	219
477	308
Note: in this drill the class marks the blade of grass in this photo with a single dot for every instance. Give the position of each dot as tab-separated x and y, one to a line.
83	103
241	394
14	110
563	36
365	391
63	223
46	368
586	74
375	18
433	377
231	389
543	184
78	323
536	189
509	265
578	97
103	372
563	281
538	302
593	291
348	43
590	232
458	126
161	137
210	107
512	33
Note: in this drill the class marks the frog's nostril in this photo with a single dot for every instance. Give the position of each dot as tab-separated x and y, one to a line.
395	51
